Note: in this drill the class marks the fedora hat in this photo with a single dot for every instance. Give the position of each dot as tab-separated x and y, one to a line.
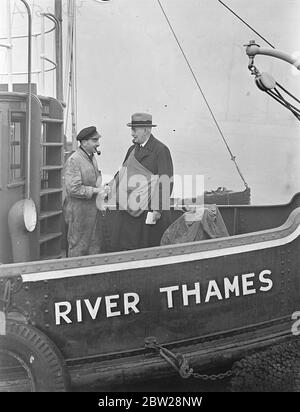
141	120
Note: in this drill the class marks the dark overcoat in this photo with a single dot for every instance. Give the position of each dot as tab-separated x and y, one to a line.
131	232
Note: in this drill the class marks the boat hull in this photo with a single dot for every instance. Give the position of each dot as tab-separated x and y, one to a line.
213	300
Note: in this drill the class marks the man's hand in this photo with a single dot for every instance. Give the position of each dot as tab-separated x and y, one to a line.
108	187
102	197
156	215
97	190
107	190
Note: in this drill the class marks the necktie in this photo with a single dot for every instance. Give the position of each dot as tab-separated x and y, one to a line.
137	148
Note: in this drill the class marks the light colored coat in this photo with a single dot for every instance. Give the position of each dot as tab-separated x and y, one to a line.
81	214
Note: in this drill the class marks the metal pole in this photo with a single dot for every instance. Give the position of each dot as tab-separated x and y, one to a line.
43	53
253	50
9	49
72	77
28	100
59	52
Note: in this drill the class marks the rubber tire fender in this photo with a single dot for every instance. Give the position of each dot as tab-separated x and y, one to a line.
39	354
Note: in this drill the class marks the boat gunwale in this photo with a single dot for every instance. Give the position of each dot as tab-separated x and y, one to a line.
106	262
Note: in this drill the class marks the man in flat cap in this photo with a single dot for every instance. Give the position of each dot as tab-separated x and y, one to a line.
143	216
83	183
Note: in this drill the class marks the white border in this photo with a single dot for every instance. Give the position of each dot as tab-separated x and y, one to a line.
159	261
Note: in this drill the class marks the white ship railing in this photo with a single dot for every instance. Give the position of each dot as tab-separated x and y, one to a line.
8	45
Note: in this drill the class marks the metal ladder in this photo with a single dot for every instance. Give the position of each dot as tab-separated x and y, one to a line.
51	186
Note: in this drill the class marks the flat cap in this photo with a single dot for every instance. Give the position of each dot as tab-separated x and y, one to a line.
86	133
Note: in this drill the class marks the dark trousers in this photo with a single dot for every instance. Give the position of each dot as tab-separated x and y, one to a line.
130	232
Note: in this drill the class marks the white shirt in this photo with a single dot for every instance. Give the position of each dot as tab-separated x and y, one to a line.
143	144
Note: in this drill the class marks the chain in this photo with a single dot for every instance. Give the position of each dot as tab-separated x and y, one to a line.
213	377
275	95
178	362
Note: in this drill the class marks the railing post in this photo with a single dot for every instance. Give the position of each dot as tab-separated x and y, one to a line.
28	99
9	49
42	57
59	51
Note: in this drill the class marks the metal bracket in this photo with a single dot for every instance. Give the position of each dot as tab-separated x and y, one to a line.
5	299
2	323
9	287
176	360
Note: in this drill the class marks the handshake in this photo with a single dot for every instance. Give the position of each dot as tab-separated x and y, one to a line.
103	192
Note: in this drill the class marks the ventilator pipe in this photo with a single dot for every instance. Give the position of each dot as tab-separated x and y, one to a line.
21	221
254	49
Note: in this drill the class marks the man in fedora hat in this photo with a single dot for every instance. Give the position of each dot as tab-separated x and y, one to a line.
147	160
83	183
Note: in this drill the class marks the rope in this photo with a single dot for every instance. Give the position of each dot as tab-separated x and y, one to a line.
276	95
248	25
233	158
287	92
279	97
289	105
284	103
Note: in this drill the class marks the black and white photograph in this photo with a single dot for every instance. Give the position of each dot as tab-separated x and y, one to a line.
149	199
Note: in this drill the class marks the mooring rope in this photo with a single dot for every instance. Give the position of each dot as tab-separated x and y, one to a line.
246	24
275	95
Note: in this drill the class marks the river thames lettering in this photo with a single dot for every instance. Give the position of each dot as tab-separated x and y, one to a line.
199	293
